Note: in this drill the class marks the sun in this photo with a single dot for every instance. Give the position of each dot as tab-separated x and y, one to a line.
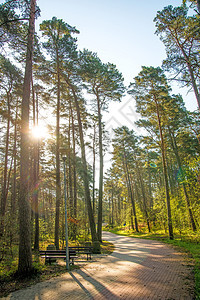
39	132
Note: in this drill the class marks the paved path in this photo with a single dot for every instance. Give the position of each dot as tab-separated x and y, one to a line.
137	269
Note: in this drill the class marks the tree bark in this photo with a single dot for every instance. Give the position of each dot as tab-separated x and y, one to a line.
93	167
4	187
198	6
70	170
170	227
143	194
112	207
187	60
25	255
134	210
14	193
100	202
195	88
74	175
175	149
130	192
58	185
35	173
74	167
85	175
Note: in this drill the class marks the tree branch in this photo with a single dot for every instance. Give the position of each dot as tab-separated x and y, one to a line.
15	20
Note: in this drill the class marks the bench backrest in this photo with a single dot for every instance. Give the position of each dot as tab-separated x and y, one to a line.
81	249
56	252
72	251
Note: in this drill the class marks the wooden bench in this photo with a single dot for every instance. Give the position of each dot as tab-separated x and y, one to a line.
52	255
82	250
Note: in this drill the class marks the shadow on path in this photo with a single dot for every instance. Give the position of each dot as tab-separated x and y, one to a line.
137	269
81	285
99	287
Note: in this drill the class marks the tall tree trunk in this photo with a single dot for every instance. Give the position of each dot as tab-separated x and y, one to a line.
74	174
130	192
175	149
192	76
133	205
85	175
100	202
198	6
131	216
93	167
170	227
70	170
4	187
195	88
25	255
35	173
143	193
149	182
109	207
112	207
58	185
14	193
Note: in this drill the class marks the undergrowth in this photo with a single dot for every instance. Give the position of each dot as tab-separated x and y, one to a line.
10	281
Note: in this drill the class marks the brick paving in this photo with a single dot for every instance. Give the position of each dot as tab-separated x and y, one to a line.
137	269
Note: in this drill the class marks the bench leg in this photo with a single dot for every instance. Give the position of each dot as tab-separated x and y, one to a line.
47	261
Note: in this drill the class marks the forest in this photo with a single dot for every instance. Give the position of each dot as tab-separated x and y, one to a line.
153	182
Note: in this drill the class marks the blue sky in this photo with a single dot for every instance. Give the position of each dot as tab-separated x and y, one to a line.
120	31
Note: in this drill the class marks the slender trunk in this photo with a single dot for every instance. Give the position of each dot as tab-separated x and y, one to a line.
149	182
134	210
9	175
170	227
99	226
94	166
109	207
74	174
131	192
35	175
143	194
25	255
195	88
4	187
187	60
70	170
13	196
175	149
85	175
133	205
198	6
132	225
58	185
112	215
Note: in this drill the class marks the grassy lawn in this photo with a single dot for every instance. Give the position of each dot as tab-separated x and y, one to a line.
9	282
189	244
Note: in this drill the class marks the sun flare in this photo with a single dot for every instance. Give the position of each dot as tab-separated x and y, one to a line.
39	132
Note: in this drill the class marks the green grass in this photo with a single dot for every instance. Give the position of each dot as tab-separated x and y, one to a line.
107	247
10	282
189	244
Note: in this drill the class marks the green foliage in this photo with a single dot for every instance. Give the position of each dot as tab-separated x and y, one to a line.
82	74
180	35
102	80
